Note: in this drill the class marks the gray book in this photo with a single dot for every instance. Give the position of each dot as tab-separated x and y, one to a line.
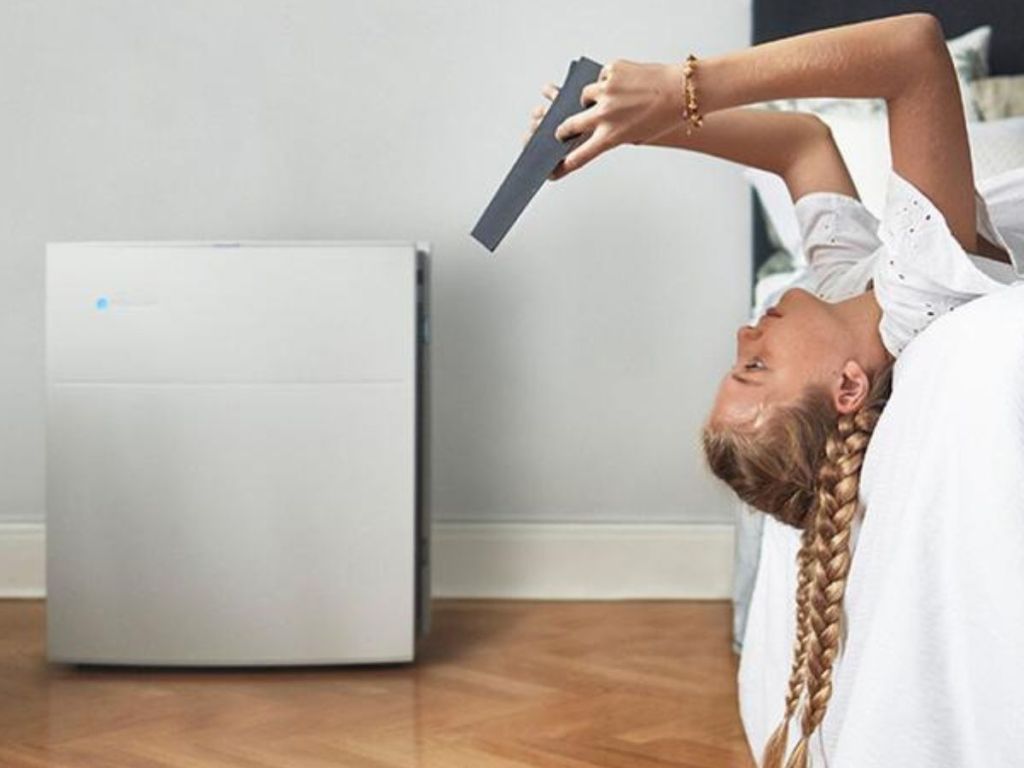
538	159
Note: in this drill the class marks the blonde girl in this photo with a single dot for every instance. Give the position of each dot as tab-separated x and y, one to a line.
793	417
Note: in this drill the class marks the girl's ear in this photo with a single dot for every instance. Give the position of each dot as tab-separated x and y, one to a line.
852	388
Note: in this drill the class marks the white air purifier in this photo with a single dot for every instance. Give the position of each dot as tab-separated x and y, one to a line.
236	453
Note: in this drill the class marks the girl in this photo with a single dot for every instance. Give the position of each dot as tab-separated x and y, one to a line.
792	419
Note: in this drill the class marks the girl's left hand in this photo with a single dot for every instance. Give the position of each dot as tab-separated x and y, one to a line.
631	103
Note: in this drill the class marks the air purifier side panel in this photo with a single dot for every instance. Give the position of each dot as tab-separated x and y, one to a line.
423	423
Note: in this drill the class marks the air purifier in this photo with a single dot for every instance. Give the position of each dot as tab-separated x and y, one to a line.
237	452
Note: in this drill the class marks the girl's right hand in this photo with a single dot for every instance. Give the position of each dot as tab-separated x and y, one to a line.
631	103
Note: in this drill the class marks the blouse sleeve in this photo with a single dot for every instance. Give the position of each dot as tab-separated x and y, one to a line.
923	271
839	236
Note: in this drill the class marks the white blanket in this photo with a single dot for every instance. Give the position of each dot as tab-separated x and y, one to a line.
932	669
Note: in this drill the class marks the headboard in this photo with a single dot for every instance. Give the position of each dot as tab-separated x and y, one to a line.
781	18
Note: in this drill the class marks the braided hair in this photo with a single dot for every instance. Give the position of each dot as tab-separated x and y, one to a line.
803	467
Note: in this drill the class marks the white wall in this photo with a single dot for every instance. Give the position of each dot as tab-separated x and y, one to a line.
571	370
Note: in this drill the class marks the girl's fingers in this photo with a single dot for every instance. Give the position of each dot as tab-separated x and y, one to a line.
539	112
581	122
584	153
590	93
550	91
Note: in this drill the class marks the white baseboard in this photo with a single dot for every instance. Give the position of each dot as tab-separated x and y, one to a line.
544	561
582	561
22	560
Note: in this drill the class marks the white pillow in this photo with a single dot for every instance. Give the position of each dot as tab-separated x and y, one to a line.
998	97
996	146
970	52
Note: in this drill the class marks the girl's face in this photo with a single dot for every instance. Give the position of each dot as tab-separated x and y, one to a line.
801	340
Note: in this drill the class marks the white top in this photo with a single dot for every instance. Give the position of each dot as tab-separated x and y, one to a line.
929	671
918	269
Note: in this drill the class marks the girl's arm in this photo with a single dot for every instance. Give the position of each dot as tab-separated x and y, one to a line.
902	59
797	146
794	145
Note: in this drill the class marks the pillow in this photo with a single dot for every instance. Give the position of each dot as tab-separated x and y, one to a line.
998	97
996	146
969	53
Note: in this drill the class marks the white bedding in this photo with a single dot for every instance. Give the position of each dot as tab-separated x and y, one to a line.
932	670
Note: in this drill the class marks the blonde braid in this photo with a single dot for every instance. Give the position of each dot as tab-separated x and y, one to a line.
775	748
824	562
829	565
837	499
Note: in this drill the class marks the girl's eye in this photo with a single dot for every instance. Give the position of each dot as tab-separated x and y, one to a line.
755	364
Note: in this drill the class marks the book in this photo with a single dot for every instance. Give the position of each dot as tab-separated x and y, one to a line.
542	153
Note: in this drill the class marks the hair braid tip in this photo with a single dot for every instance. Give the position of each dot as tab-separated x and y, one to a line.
799	757
775	748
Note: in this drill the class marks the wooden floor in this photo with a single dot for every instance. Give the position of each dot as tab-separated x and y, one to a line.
498	684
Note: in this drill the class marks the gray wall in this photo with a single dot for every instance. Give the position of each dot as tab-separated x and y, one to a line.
572	369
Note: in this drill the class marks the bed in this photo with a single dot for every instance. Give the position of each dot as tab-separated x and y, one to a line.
928	675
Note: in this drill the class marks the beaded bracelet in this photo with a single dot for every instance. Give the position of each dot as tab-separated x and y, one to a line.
691	113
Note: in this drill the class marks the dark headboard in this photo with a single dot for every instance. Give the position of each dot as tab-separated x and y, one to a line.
781	18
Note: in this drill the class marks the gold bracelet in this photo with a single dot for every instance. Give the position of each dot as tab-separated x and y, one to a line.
691	113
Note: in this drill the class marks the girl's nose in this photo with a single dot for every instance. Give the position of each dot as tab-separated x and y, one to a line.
747	333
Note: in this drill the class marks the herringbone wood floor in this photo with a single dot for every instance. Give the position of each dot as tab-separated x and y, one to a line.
498	684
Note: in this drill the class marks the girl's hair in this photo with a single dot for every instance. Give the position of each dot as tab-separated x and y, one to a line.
802	466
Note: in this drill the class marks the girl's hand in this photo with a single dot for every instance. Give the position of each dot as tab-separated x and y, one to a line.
630	103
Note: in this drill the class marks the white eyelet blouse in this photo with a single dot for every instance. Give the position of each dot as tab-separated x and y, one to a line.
918	270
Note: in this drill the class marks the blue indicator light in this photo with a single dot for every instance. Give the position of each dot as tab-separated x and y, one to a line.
102	302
